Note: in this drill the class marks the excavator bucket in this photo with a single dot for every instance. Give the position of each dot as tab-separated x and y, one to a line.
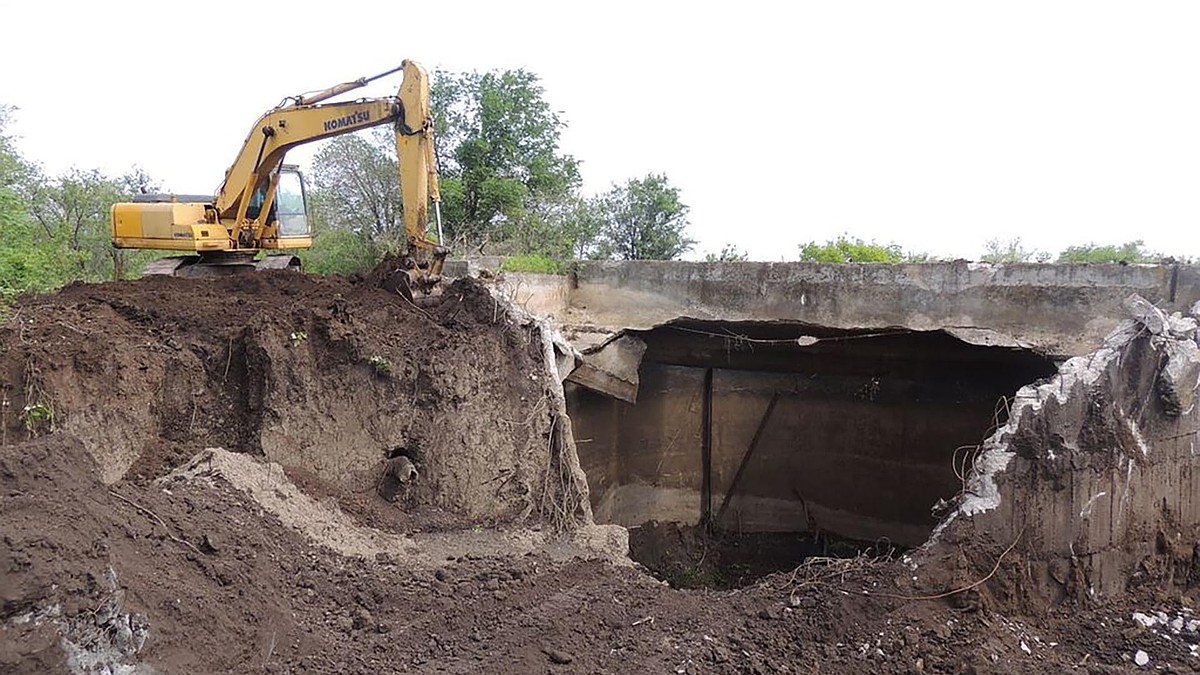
397	281
420	284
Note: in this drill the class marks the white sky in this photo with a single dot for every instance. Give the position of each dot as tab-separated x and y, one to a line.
934	125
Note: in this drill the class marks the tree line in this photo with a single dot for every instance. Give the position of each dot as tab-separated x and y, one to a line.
852	249
55	229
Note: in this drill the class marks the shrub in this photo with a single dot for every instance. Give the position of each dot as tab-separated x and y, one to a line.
532	263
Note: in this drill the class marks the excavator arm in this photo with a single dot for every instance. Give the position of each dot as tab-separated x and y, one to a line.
288	126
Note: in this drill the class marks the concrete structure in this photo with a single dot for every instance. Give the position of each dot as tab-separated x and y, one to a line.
1093	484
854	434
795	397
1060	310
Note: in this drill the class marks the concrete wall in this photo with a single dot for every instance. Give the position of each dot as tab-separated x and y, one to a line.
861	440
544	295
1061	309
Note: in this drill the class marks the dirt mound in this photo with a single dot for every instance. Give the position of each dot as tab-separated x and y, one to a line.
327	376
196	577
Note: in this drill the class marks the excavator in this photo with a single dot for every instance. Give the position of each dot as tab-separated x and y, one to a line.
261	205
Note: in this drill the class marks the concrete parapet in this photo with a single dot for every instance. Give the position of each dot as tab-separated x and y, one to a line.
1061	310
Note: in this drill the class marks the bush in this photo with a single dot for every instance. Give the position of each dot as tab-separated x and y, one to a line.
1129	252
339	252
532	263
844	249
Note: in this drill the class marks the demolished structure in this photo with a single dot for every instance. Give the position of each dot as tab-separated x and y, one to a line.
1092	480
194	473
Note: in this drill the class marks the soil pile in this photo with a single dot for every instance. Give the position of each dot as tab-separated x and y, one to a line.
327	377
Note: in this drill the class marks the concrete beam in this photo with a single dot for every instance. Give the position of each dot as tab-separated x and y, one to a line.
1061	310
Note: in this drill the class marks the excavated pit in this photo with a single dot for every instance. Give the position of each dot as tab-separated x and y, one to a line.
754	445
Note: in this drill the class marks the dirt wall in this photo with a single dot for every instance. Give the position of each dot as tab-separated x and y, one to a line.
326	375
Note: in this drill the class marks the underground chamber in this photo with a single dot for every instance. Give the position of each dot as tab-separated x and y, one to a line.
743	448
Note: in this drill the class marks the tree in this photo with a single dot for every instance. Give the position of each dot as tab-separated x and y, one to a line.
357	180
559	229
503	181
30	260
75	206
1011	251
1129	252
55	230
844	249
503	173
645	220
15	172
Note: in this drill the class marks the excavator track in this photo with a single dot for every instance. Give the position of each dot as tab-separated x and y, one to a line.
198	267
278	262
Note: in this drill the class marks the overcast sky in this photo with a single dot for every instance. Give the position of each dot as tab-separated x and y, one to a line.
934	125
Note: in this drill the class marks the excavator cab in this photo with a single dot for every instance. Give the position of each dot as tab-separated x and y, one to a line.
289	210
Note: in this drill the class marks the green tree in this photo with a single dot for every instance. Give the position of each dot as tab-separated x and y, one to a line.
15	172
357	180
644	220
844	249
1011	251
74	207
1129	252
337	249
563	229
30	259
503	172
505	183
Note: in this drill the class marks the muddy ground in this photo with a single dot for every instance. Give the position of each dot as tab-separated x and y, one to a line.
284	558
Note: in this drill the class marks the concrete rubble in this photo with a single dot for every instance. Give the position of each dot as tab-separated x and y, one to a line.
612	367
1093	480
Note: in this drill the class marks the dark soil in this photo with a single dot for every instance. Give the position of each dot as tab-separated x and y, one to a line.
99	565
220	587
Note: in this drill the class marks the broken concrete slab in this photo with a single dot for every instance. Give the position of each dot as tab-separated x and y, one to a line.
1178	377
1094	481
612	368
1144	312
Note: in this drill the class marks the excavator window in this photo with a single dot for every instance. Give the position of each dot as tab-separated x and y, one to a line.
289	205
254	208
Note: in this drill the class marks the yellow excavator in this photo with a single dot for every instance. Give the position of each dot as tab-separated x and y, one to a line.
261	206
